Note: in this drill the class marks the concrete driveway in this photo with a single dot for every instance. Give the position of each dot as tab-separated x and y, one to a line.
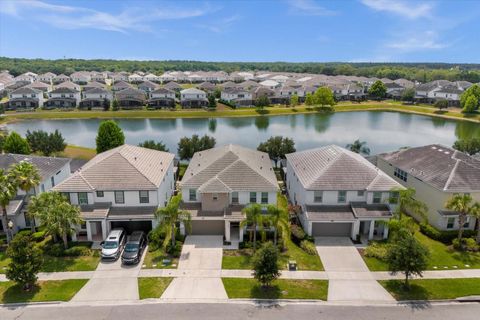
111	281
199	253
349	277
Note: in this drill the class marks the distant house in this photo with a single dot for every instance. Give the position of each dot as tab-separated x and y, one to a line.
340	193
96	98
436	172
26	77
25	98
262	91
93	85
394	90
271	84
280	78
63	98
81	77
60	78
135	78
69	85
151	77
147	87
42	86
172	85
131	98
238	96
97	77
47	77
162	98
438	90
120	76
120	85
207	87
193	98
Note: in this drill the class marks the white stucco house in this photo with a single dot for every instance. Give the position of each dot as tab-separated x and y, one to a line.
121	187
339	192
25	97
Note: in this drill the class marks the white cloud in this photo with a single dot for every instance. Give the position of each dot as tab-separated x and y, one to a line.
410	10
309	7
72	17
427	40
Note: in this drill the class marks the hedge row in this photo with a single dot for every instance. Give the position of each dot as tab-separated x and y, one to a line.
443	236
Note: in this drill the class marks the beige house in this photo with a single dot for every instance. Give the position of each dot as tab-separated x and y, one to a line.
220	182
436	172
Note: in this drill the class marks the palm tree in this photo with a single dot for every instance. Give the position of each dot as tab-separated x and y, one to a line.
279	219
169	217
461	203
406	202
255	219
8	191
27	177
475	212
359	147
56	214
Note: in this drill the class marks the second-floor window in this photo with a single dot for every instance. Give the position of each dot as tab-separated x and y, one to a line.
318	196
253	197
100	194
264	197
52	180
360	193
342	196
377	197
400	174
119	197
235	197
82	198
192	195
144	198
450	223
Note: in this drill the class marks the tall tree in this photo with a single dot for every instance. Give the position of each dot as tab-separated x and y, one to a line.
8	191
405	202
359	147
378	90
324	97
309	101
26	261
471	104
475	212
262	101
109	136
277	147
279	220
171	216
188	146
470	146
212	102
461	204
150	144
265	264
472	91
408	95
41	141
441	104
14	143
254	219
56	214
294	100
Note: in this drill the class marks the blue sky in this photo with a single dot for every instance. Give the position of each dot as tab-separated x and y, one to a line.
249	30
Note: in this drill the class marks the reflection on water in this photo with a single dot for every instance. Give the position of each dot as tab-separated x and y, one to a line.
383	131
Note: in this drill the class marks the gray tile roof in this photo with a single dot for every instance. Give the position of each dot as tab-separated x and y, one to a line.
439	166
329	213
230	168
132	212
47	166
123	168
25	90
335	168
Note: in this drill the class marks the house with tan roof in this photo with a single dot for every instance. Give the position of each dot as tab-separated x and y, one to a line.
220	182
25	98
122	187
436	172
340	193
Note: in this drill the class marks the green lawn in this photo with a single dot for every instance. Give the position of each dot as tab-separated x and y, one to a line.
433	289
4	261
152	287
442	257
281	289
62	290
155	257
58	264
77	152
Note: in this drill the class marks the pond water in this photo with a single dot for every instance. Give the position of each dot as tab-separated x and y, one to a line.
383	131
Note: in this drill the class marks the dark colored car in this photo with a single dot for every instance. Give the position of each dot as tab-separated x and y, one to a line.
134	247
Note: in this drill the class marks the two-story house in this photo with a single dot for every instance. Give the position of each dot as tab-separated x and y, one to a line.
162	98
220	182
25	98
131	98
238	96
193	98
339	192
63	98
60	78
436	172
47	77
121	187
52	171
96	98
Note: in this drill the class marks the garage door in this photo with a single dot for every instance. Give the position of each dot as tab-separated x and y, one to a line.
331	229
130	226
208	227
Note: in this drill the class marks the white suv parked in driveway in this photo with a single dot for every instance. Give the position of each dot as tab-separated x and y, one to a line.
112	247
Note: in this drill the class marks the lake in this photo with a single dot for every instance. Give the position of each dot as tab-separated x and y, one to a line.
383	131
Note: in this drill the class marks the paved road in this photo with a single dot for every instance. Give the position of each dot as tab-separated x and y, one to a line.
241	312
349	277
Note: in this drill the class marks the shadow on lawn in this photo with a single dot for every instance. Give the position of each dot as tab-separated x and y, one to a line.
261	292
16	293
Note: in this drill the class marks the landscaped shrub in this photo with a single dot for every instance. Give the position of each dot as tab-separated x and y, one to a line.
443	236
54	250
174	251
26	232
38	236
308	247
77	252
297	233
468	244
376	250
155	239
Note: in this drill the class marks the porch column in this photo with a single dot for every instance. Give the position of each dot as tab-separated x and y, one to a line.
182	229
355	229
385	230
309	231
370	231
240	236
227	230
89	231
74	236
104	229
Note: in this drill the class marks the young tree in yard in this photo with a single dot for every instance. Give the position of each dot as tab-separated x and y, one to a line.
262	102
212	102
471	104
279	220
324	97
294	101
277	147
406	255
254	219
408	95
8	191
378	90
169	217
26	261
470	146
150	144
441	104
109	136
462	204
56	214
14	143
359	147
115	105
3	136
188	146
406	203
265	264
309	101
